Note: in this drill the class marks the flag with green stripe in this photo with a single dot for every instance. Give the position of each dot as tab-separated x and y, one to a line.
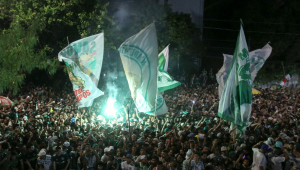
236	99
257	60
164	80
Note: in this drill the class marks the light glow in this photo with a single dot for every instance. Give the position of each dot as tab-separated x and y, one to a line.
110	110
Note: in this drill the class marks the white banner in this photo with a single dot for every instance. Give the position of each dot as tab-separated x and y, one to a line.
84	61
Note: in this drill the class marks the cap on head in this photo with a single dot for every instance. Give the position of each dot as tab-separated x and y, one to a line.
278	144
129	156
66	144
42	153
106	149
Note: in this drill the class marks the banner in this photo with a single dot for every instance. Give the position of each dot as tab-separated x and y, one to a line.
164	80
236	99
83	59
140	62
257	60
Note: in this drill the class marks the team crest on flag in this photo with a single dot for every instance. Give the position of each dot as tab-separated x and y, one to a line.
140	62
236	99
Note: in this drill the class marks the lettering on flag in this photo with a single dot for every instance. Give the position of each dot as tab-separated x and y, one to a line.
83	59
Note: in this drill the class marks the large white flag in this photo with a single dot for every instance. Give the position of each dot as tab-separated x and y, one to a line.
140	62
84	61
236	99
257	60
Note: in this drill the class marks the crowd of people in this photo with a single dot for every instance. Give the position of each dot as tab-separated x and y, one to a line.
44	129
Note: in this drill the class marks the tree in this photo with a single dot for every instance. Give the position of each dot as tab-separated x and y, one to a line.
34	31
172	28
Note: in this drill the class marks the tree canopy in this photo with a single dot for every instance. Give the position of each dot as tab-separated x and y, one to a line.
34	31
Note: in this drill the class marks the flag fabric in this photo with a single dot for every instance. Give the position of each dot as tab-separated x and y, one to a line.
84	62
161	107
286	79
257	60
223	73
164	80
163	59
140	62
236	99
4	101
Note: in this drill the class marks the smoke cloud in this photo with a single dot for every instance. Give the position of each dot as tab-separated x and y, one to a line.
122	15
111	86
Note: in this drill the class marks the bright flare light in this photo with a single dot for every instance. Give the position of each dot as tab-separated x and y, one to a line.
110	110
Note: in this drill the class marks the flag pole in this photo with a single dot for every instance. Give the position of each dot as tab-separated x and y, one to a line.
155	103
153	19
68	40
283	69
156	93
90	110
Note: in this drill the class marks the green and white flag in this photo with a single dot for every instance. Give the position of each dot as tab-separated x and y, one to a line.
257	60
140	62
236	100
163	59
84	62
164	80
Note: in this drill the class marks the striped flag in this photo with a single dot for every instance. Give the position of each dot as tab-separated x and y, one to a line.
257	60
236	100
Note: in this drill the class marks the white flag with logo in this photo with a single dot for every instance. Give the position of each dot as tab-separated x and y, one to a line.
140	62
236	99
257	59
84	62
